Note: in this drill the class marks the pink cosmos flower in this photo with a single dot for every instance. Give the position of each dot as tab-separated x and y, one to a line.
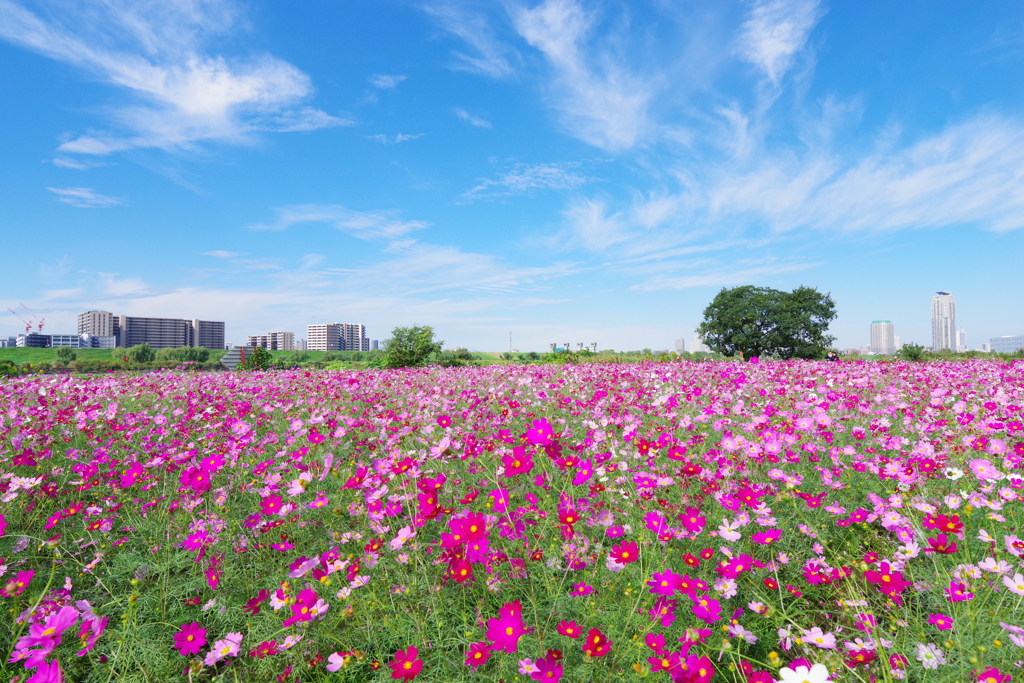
957	592
625	552
506	629
993	675
940	621
227	647
596	644
18	584
189	639
664	583
406	665
547	669
47	673
478	654
984	469
1016	584
570	628
580	589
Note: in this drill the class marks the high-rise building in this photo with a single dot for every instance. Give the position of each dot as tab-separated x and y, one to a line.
943	321
986	348
883	337
698	344
274	341
680	345
961	340
897	344
337	337
98	328
99	323
1007	344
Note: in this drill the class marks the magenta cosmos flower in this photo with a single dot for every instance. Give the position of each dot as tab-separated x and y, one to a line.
190	639
406	665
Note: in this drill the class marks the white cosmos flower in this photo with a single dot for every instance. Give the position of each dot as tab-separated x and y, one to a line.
816	674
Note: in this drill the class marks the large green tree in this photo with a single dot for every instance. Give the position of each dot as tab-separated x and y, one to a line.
757	321
410	347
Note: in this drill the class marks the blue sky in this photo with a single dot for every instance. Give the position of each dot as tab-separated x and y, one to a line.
566	171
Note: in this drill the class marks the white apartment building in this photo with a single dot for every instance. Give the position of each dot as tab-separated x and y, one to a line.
883	337
337	337
680	345
273	341
961	340
943	322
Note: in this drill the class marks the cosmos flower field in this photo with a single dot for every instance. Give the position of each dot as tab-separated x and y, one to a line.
689	522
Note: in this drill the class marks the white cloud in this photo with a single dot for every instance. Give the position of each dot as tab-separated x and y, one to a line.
489	56
77	164
69	293
84	197
593	227
970	173
472	120
155	50
385	81
600	101
775	32
365	225
525	178
223	254
401	137
124	287
720	277
301	121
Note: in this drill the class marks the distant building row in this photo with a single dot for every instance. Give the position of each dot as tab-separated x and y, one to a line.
322	337
74	341
568	347
159	333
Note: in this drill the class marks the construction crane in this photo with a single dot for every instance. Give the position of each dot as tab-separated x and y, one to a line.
28	325
41	320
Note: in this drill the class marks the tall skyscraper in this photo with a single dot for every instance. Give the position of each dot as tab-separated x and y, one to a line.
943	322
883	337
961	340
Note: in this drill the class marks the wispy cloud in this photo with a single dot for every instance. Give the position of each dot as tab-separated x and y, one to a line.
721	276
487	54
775	32
401	137
84	197
526	178
124	286
77	164
600	100
223	254
593	226
385	81
472	120
969	173
156	51
367	225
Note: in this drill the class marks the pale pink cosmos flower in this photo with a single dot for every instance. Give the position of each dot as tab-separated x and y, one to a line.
1016	584
984	469
819	638
930	656
228	647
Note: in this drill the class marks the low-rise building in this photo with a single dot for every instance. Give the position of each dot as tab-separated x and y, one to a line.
1007	344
